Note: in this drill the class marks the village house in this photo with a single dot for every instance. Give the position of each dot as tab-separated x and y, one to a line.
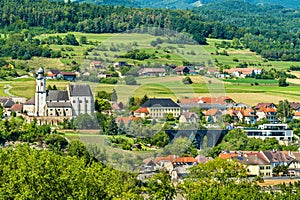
121	64
275	157
247	116
294	166
189	117
182	70
203	159
52	73
212	115
96	65
267	113
152	72
256	164
160	107
243	72
127	120
142	112
69	76
17	108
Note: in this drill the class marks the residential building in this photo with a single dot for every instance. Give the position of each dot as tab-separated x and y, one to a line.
278	131
121	64
277	158
268	113
257	165
265	105
160	107
95	65
247	116
29	107
17	108
294	166
181	70
52	73
69	76
127	120
243	72
189	117
152	72
212	115
142	112
203	159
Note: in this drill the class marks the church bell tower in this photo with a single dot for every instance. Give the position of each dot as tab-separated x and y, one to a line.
40	93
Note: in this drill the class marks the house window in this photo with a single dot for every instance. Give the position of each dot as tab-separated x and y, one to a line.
268	167
87	101
74	101
261	167
80	101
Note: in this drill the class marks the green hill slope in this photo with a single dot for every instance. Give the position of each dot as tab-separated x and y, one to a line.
183	4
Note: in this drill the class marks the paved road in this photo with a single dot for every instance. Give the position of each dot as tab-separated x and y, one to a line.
7	88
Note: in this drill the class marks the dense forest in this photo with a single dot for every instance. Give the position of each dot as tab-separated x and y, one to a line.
183	4
271	31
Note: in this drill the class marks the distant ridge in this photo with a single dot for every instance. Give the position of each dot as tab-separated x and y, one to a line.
182	4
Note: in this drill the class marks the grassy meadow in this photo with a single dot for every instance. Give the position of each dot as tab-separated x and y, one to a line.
108	48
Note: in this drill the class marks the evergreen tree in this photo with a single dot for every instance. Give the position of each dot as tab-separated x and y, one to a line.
112	128
114	96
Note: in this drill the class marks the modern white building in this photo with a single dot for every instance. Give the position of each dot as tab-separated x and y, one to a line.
278	131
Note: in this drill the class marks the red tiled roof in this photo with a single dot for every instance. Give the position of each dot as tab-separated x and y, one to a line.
263	105
170	158
185	160
297	114
189	100
246	71
211	112
266	110
215	100
17	107
126	120
179	68
248	112
68	73
142	110
228	155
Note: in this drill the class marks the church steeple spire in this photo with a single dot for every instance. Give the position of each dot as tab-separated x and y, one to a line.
40	93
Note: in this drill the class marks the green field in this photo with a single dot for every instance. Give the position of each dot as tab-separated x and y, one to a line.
109	46
252	81
173	87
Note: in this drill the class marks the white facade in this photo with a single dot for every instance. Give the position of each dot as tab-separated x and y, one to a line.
278	131
40	93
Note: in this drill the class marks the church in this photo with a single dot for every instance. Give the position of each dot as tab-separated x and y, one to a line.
59	104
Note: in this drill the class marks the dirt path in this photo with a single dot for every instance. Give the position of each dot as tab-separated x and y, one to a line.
8	87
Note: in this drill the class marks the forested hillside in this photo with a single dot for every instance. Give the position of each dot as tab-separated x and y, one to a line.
170	4
285	3
183	4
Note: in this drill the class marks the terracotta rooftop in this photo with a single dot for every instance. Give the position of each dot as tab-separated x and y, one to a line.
229	155
211	112
17	107
264	105
126	120
185	160
142	110
170	158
